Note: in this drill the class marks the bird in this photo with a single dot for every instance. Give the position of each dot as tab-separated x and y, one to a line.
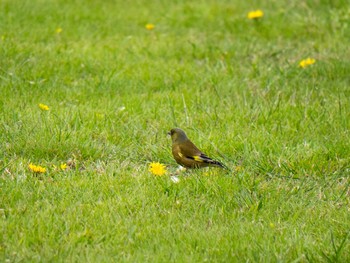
187	154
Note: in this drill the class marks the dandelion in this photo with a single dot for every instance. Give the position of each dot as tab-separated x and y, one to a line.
36	168
255	14
43	106
157	168
238	168
63	166
149	26
58	30
306	62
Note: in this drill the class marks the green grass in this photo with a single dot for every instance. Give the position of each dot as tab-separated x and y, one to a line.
115	89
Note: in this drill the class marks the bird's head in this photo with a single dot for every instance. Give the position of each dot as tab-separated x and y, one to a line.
177	135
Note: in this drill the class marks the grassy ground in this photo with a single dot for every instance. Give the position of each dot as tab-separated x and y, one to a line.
114	89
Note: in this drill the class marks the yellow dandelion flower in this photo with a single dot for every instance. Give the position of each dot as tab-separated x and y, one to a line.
238	168
63	166
58	30
43	106
157	169
36	168
255	14
206	174
306	62
149	26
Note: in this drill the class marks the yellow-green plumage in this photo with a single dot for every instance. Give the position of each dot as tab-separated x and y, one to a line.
187	154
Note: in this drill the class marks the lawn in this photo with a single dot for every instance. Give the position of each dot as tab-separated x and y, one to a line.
113	77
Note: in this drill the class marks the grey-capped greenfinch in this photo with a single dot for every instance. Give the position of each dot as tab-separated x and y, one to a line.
187	154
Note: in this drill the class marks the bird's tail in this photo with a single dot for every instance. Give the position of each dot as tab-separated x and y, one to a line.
221	165
212	162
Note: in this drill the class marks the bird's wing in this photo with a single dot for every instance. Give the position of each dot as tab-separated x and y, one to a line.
190	152
202	158
205	159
